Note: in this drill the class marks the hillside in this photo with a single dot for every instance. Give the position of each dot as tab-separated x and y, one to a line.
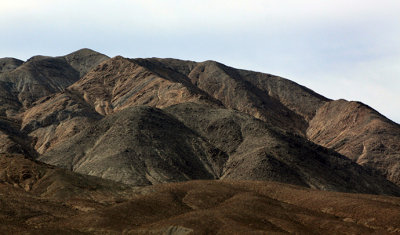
41	76
360	133
81	88
143	145
183	145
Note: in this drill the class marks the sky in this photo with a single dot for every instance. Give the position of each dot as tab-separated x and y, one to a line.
338	48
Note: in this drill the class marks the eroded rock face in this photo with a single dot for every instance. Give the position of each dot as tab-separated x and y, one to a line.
360	133
56	118
120	83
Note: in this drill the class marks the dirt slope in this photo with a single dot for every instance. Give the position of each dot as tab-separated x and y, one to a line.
204	207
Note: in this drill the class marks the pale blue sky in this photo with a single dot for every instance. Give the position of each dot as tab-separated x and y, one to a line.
340	49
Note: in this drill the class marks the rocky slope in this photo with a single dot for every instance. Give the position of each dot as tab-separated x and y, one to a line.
9	64
56	118
12	140
247	125
258	151
42	75
119	83
360	133
143	145
139	145
48	181
110	125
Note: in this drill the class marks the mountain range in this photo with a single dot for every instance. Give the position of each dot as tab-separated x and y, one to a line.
93	132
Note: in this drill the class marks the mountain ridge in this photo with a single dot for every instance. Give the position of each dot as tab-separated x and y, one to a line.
91	145
105	86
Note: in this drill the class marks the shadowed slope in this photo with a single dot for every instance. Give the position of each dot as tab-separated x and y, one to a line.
258	151
139	145
84	60
52	182
12	140
9	103
227	85
40	76
297	98
143	145
9	64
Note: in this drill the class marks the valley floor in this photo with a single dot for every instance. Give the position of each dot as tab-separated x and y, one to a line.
201	207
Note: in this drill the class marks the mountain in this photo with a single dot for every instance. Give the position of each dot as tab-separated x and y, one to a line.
9	64
271	121
43	75
143	145
92	144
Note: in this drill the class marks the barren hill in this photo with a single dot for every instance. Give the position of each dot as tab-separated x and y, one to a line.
105	123
119	83
42	75
143	145
8	64
57	112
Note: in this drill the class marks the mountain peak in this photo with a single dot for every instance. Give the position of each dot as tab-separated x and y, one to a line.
84	51
7	64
